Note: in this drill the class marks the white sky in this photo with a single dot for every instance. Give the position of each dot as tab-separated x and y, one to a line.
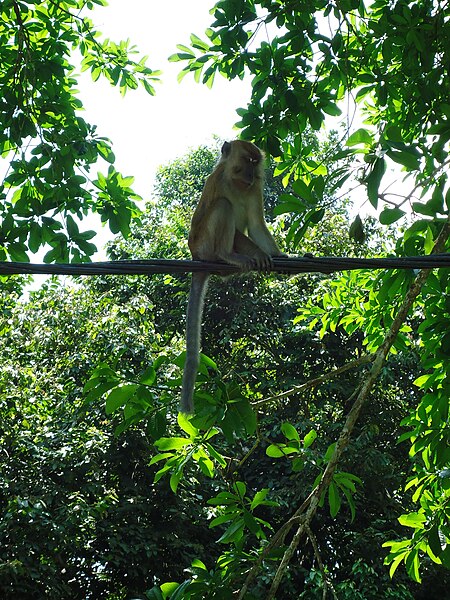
148	131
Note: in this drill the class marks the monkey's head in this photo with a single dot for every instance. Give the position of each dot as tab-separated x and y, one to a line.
243	163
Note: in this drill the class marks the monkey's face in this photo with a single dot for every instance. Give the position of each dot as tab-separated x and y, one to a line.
246	172
243	162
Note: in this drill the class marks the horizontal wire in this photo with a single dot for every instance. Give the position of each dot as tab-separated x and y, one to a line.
304	264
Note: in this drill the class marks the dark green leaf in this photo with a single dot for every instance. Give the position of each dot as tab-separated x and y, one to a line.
374	180
390	215
356	230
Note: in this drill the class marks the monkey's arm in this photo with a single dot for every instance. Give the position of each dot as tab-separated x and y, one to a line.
243	245
262	237
194	314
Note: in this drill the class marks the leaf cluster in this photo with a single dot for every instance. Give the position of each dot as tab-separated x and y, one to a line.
48	189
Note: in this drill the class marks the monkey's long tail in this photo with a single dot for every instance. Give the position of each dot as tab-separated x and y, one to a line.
194	315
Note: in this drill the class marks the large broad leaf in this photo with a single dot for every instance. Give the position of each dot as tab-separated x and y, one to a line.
406	158
290	432
334	499
172	443
119	396
360	136
390	215
356	230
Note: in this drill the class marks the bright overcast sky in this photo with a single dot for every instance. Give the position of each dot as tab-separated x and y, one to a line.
148	131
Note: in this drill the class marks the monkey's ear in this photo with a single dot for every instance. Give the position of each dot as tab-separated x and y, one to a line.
226	148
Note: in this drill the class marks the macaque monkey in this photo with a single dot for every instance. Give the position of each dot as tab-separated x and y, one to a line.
228	225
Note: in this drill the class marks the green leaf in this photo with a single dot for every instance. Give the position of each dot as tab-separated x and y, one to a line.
148	376
259	498
334	499
218	457
169	588
405	158
234	532
247	415
225	518
332	109
18	252
100	388
390	215
356	230
35	237
159	457
105	151
154	594
276	450
395	563
198	43
412	565
414	520
157	424
175	479
309	438
445	557
315	116
224	499
240	488
181	592
374	180
434	540
330	451
198	564
298	464
290	432
204	462
303	190
360	136
424	209
351	503
172	443
251	523
119	396
186	425
293	206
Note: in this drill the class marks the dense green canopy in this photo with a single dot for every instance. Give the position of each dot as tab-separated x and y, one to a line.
320	448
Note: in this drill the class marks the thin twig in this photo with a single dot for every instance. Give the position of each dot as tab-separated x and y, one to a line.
326	582
353	364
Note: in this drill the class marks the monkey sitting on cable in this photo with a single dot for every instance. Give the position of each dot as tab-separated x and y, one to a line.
228	225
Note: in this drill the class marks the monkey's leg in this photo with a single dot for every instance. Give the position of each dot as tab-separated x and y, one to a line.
244	245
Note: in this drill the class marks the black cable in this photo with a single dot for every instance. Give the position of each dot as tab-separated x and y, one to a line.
305	264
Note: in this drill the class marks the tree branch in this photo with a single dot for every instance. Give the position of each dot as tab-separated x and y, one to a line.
353	364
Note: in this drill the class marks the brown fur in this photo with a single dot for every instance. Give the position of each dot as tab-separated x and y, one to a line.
228	225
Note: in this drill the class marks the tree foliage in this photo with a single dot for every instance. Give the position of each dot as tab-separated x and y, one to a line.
391	61
103	521
51	149
230	494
